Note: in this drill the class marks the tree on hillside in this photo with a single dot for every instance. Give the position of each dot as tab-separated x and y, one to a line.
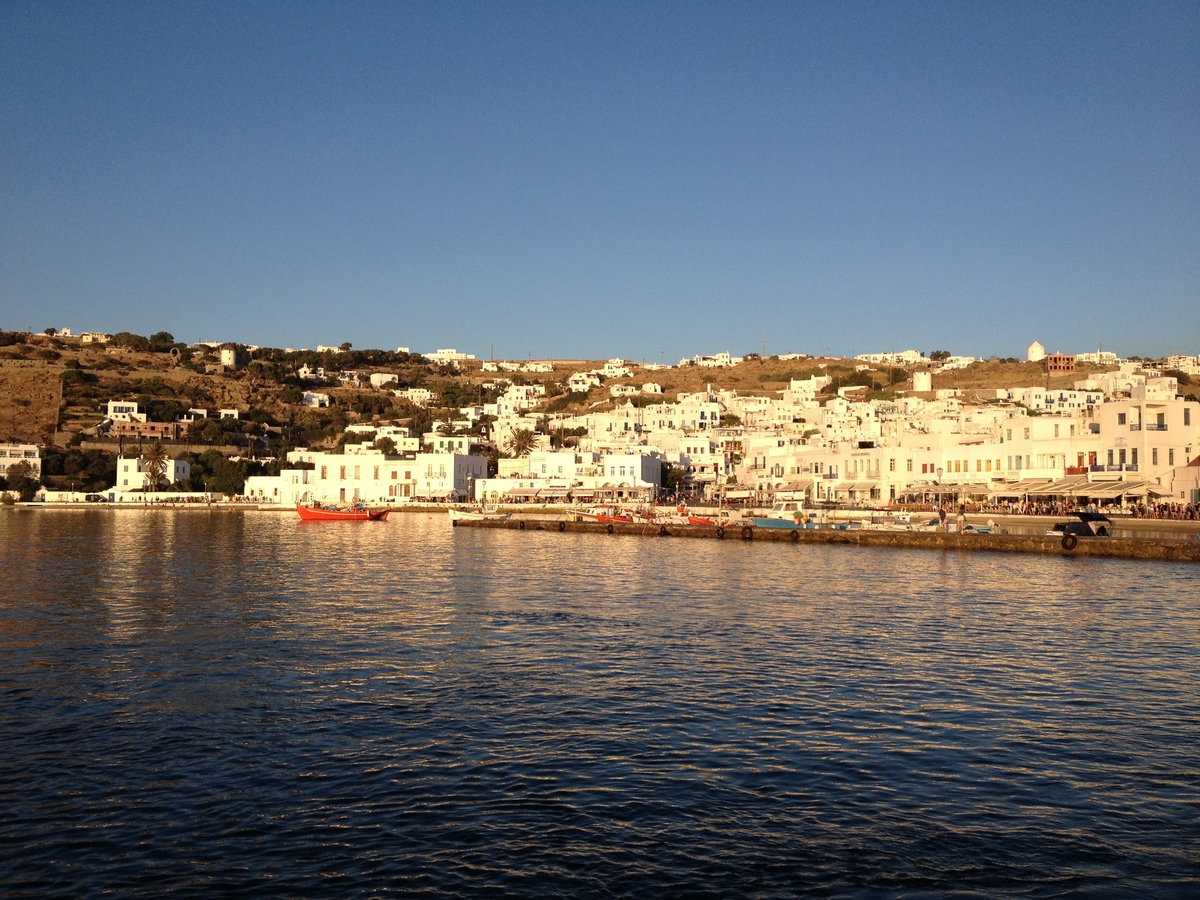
130	341
161	342
520	442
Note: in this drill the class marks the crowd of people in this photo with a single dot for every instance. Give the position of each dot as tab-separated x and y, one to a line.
1182	511
1140	510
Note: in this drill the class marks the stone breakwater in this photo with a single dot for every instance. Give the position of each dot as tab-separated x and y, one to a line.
1113	548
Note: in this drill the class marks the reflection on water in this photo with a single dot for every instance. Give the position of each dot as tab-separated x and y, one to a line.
210	701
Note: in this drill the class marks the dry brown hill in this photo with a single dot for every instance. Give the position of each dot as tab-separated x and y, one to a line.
50	384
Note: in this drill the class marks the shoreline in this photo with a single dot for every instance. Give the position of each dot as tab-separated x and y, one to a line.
1183	549
1133	538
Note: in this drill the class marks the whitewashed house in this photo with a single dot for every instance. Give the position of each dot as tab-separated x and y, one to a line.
132	476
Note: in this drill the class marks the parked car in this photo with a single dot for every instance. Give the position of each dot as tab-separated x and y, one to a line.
1087	524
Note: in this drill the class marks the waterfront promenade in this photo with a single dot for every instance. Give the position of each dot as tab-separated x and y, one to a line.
1181	550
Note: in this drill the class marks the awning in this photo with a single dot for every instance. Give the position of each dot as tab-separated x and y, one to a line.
1074	484
802	485
1114	489
522	492
975	489
858	486
1019	488
554	492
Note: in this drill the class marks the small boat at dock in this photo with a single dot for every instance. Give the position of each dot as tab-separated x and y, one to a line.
477	515
605	515
784	514
317	513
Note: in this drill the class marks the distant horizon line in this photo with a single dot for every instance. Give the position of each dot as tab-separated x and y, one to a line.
66	332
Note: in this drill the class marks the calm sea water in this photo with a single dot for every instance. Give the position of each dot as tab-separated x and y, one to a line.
212	703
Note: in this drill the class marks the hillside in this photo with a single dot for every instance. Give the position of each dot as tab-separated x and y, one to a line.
55	389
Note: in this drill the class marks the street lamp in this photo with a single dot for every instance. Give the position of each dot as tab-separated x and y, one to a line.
939	484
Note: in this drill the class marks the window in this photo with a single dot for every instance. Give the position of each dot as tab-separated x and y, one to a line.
1154	456
910	465
1133	458
891	465
342	473
1110	457
324	472
1120	418
1187	416
1170	457
1026	434
1056	429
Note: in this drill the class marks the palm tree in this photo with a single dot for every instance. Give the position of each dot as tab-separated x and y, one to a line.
520	442
154	465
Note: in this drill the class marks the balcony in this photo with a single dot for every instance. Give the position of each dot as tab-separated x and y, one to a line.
1135	426
1157	427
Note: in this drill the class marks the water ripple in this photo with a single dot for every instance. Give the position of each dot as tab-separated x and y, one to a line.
210	703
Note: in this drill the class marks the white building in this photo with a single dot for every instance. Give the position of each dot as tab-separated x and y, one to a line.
582	382
132	475
11	454
416	396
380	379
1099	358
125	411
370	477
449	355
892	358
1147	436
716	361
1035	353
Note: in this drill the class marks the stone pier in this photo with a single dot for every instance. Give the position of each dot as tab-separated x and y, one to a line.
1182	550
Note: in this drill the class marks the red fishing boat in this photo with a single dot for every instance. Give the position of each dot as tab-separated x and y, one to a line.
352	514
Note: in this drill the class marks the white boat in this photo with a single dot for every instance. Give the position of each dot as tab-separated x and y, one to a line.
477	515
784	514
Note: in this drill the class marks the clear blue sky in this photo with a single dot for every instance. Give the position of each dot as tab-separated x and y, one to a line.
591	180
